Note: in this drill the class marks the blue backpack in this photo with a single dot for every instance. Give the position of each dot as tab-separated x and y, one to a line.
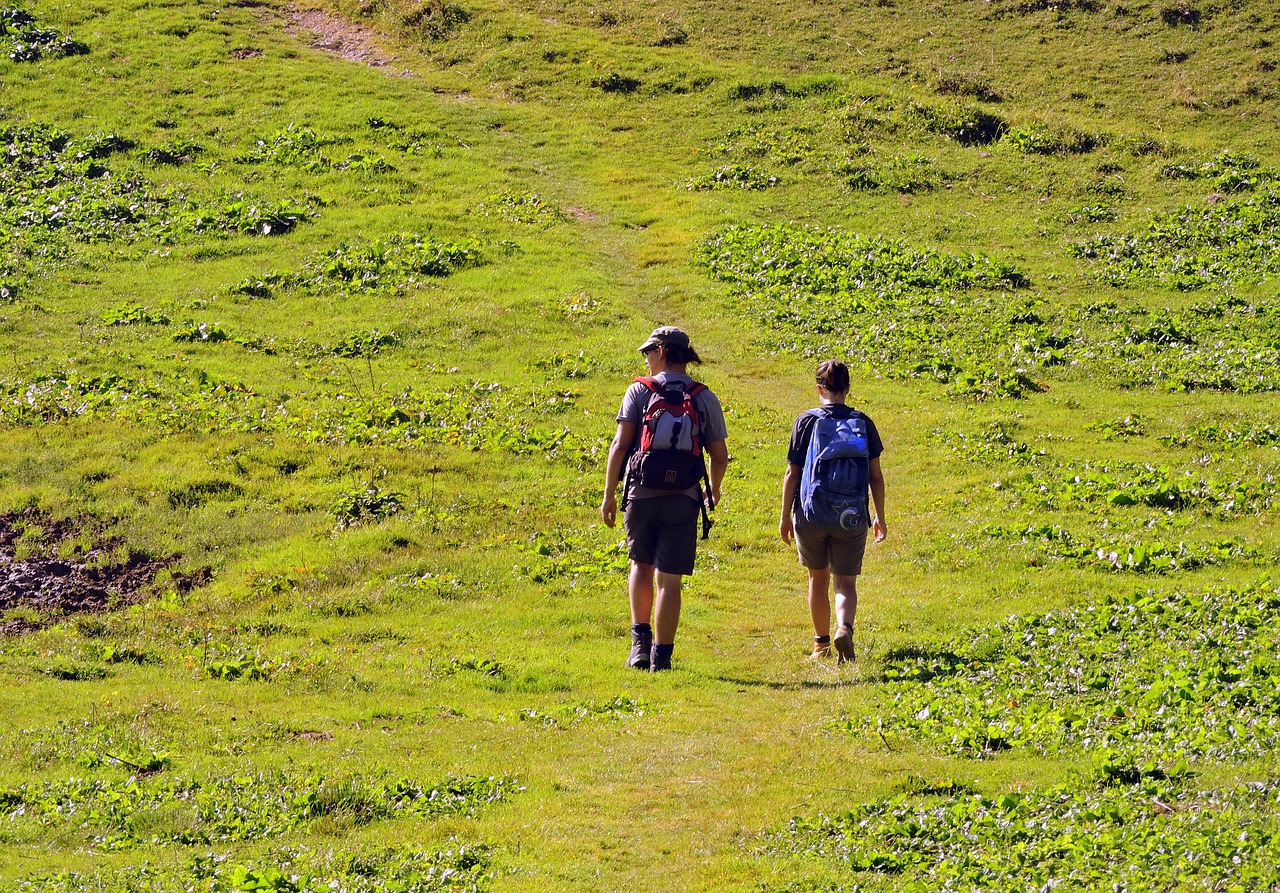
833	484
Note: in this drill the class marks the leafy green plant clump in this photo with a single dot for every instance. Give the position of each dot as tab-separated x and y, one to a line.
527	208
1226	172
1142	838
615	709
56	190
391	264
1224	242
364	344
12	280
1165	677
733	176
896	173
1039	138
572	556
966	125
127	314
23	40
1241	435
996	443
196	333
1131	484
465	869
1132	553
156	810
411	140
372	503
922	314
911	313
1131	425
1225	343
832	261
785	145
569	365
303	148
477	416
228	663
1092	213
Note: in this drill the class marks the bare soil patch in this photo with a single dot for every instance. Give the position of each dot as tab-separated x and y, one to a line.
333	34
106	576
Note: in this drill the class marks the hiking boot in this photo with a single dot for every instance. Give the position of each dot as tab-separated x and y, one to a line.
640	645
659	662
844	644
821	651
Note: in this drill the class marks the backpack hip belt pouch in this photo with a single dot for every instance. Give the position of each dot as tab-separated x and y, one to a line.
836	474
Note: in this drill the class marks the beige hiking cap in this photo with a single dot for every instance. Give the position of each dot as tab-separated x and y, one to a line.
665	336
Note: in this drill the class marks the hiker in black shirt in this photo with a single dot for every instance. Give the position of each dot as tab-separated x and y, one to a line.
832	552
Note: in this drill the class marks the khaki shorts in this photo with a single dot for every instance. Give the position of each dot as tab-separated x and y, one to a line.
821	547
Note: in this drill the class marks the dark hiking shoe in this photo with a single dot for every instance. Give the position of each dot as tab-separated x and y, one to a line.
640	645
660	657
844	644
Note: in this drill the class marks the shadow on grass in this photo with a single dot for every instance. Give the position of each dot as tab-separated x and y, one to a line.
802	685
918	663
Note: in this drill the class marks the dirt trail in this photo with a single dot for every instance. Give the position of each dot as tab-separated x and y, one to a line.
334	34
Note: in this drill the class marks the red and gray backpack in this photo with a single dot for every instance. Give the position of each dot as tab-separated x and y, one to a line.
669	455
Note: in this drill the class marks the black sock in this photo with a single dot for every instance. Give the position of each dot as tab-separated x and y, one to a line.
822	640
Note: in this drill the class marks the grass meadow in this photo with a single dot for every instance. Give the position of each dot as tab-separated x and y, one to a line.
314	324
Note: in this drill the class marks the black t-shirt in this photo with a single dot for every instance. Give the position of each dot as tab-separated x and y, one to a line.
802	432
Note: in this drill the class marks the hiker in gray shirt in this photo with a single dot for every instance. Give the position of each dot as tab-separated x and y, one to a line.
665	423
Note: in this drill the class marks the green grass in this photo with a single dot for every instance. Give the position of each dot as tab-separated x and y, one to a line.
340	346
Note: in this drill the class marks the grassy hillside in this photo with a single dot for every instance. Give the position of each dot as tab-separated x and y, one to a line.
315	322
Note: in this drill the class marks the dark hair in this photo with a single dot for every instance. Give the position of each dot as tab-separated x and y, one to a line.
833	376
678	355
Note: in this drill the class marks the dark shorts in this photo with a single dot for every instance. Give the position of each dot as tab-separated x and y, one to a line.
821	547
663	531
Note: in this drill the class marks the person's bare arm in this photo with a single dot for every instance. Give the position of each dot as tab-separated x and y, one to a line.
719	454
622	439
876	486
790	484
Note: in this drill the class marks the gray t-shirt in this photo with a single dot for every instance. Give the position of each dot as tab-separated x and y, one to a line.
710	414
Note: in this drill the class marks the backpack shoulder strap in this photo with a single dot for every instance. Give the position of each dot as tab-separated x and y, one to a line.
649	382
694	388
